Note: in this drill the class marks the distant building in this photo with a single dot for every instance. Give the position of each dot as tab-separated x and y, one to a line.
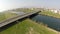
32	8
59	11
55	11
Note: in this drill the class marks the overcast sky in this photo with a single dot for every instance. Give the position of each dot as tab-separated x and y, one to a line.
10	4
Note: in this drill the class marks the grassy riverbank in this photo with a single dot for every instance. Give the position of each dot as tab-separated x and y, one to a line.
49	13
28	27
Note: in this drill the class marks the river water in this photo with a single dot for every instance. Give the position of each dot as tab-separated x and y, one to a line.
50	21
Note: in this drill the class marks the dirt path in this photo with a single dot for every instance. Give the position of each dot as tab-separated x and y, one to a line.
54	30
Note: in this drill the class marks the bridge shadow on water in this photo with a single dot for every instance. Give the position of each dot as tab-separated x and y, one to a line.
16	22
32	16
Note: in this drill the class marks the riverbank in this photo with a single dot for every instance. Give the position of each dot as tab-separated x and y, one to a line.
54	30
49	13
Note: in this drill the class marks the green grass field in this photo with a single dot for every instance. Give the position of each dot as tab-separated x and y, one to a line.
6	15
49	13
26	10
27	27
2	17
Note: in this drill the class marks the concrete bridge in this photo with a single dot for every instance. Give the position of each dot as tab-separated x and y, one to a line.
10	20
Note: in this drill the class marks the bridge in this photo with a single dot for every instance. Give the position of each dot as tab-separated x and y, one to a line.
10	20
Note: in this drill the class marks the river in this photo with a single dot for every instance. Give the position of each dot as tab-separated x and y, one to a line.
50	21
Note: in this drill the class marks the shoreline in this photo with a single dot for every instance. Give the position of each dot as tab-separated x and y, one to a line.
53	30
49	16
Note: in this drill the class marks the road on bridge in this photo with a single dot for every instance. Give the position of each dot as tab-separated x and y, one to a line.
10	20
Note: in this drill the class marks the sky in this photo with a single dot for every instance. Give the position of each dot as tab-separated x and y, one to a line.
11	4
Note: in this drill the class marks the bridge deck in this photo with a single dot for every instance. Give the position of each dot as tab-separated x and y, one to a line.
3	23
